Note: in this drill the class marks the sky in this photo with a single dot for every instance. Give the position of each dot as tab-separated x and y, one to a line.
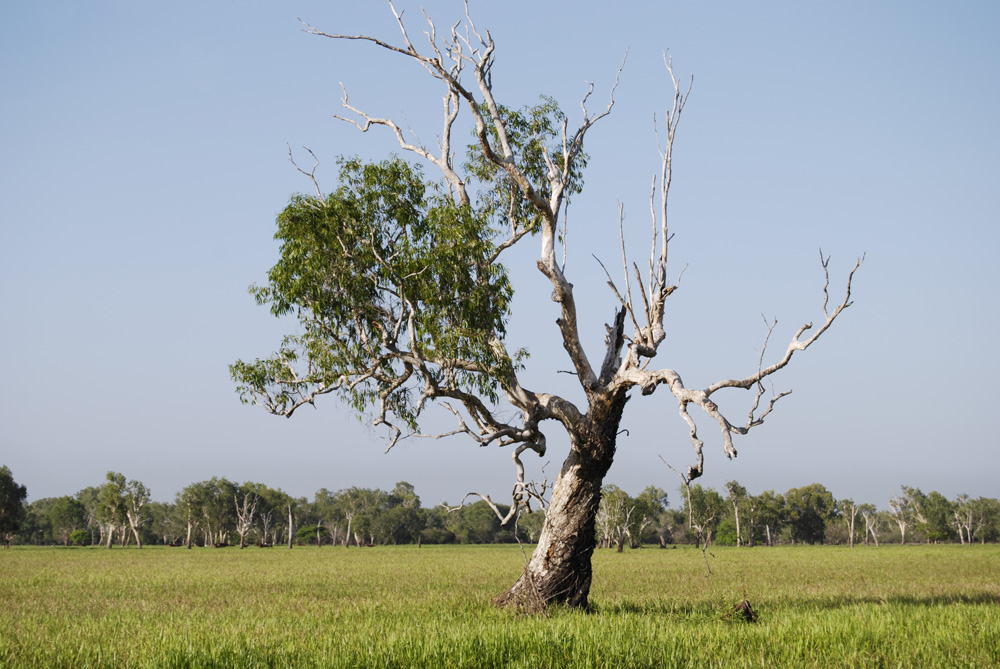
144	157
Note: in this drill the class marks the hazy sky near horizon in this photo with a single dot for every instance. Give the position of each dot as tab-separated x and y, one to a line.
143	160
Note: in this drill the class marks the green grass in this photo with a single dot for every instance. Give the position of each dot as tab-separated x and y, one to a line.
912	606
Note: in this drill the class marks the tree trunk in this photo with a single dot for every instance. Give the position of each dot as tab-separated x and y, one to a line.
559	570
135	532
739	537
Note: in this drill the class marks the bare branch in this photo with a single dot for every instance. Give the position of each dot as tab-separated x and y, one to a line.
796	344
311	173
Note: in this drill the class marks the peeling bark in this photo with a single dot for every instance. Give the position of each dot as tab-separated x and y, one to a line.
559	570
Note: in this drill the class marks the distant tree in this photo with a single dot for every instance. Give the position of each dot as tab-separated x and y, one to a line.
849	509
66	516
164	524
437	523
901	510
937	514
292	505
751	516
399	524
308	534
90	498
404	494
613	516
873	522
111	510
136	497
327	513
187	503
245	502
772	515
478	523
36	529
735	493
79	537
987	512
218	513
529	525
651	505
12	511
272	508
705	509
359	507
809	508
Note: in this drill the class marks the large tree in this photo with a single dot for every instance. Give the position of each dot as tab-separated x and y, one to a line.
403	298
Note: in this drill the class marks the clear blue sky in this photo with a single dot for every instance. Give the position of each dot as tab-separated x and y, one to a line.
143	160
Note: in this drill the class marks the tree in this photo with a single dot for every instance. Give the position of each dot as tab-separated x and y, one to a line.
705	509
187	503
771	514
36	529
165	523
66	516
12	512
808	509
209	508
401	520
136	497
650	506
850	509
614	517
111	512
734	494
901	512
937	515
873	522
478	523
402	298
90	497
987	513
245	510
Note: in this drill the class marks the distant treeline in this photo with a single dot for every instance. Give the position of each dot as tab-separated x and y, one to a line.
219	512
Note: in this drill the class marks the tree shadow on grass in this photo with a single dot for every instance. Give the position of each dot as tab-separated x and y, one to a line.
715	609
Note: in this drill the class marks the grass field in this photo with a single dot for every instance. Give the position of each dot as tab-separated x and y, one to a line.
911	606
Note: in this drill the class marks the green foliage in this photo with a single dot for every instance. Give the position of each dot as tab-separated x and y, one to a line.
725	533
808	509
66	515
307	534
533	131
79	538
705	509
909	606
12	511
382	266
477	523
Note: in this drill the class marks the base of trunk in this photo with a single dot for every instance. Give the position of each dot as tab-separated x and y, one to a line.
533	593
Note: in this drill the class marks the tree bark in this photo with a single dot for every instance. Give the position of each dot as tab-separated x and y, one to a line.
560	567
